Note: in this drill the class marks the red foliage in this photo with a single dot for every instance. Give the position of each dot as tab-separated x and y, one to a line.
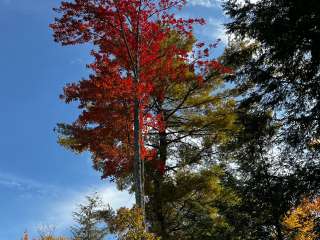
128	36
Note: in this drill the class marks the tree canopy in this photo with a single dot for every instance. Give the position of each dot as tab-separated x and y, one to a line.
229	146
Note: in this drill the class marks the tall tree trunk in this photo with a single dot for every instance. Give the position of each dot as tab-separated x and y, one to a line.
279	231
138	163
137	157
158	182
158	207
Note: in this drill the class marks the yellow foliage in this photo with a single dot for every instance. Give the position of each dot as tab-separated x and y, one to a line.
49	237
128	224
301	222
53	238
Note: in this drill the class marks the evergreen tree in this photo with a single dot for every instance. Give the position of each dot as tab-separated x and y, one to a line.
196	204
268	185
193	122
275	59
281	71
89	226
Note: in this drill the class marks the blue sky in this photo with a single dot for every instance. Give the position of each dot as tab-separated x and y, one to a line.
40	182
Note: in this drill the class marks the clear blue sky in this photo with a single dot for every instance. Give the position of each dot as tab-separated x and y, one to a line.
40	182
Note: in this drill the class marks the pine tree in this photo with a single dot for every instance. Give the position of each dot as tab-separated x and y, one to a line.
275	59
281	71
89	225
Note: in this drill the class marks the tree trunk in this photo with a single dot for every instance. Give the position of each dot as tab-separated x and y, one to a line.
137	157
279	232
138	163
158	181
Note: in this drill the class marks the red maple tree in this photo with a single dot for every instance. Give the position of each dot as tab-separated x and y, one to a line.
133	61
